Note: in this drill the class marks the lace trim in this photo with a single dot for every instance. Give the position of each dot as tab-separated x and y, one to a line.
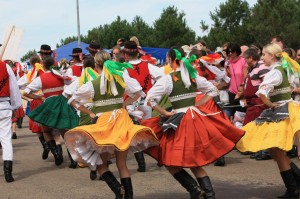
280	91
50	90
182	97
109	102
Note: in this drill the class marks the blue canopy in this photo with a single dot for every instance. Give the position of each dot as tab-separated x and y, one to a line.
66	50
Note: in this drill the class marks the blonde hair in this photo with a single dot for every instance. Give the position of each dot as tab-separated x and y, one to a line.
101	57
274	49
135	39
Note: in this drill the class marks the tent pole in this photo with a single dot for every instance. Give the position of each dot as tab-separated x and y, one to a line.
78	24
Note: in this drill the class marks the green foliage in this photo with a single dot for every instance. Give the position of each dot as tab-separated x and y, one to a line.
229	24
271	17
28	55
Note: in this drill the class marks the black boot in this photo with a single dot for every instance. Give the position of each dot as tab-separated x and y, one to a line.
126	183
14	135
220	162
19	122
93	175
205	184
73	163
189	184
139	156
290	184
54	150
45	147
113	184
7	168
293	152
296	173
59	148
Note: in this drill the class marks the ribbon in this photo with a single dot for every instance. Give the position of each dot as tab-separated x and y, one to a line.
289	64
88	75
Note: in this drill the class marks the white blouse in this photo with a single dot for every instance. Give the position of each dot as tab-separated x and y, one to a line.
164	86
86	91
272	78
36	84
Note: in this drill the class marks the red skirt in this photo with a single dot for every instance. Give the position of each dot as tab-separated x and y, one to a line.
197	141
20	112
33	126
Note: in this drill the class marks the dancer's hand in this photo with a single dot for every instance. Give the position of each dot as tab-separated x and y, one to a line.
94	120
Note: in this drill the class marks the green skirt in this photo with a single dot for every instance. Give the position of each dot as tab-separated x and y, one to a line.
55	112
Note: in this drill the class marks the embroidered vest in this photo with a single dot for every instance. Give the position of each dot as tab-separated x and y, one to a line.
181	97
4	80
51	85
76	70
141	73
283	91
107	102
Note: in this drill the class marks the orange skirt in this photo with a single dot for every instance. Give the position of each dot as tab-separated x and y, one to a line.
201	138
113	131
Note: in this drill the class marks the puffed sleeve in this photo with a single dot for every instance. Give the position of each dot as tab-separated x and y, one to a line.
163	86
34	86
206	86
70	89
132	86
272	78
15	95
155	71
83	94
22	82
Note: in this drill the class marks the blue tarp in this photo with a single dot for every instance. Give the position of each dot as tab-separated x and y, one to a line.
66	50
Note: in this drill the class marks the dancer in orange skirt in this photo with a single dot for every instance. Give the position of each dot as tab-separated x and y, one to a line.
192	136
114	131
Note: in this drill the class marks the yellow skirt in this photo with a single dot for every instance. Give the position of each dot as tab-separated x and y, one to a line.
113	131
273	134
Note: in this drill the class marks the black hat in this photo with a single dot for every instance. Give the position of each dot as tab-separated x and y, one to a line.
45	49
94	46
76	52
0	44
130	48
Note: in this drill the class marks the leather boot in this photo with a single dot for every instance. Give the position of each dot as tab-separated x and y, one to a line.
19	122
93	175
14	135
59	148
7	168
205	184
296	173
113	184
189	184
139	156
45	147
293	152
73	163
57	154
290	184
126	183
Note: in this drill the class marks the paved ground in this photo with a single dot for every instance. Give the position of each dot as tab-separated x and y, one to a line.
35	178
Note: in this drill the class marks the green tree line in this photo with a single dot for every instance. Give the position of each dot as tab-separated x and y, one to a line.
233	21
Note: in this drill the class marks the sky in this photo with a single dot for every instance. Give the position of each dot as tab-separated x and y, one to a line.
47	22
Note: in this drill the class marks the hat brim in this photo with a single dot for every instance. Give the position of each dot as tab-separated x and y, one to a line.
77	55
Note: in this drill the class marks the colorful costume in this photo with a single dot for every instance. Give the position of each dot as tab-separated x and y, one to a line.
274	127
114	129
195	136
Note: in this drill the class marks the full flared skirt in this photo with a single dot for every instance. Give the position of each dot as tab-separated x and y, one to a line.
271	134
202	137
55	112
114	131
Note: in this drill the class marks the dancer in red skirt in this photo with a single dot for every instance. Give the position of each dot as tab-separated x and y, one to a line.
192	136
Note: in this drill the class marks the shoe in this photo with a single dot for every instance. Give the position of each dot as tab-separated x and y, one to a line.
293	152
14	136
126	183
56	153
139	156
114	184
220	162
290	184
45	147
73	163
255	155
263	157
206	185
247	153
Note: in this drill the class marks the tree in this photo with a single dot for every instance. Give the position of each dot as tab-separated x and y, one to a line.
142	31
28	55
171	29
271	17
229	24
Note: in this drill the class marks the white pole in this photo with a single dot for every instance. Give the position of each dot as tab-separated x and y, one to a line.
78	24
